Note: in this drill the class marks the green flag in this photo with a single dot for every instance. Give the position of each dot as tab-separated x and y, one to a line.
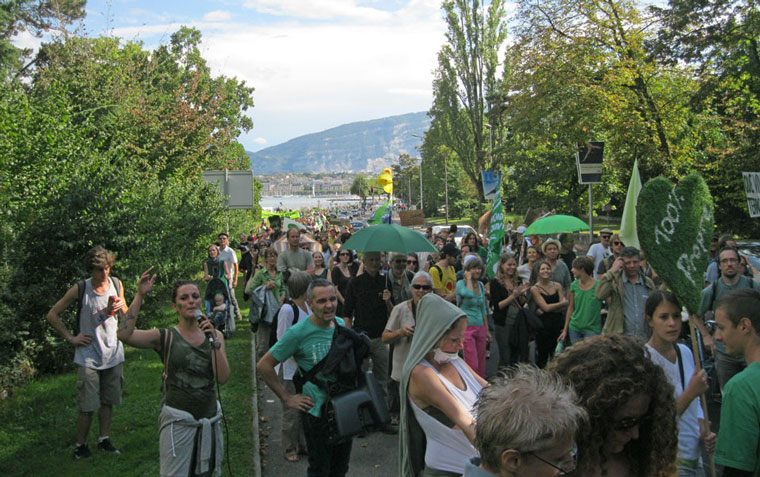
628	229
378	217
495	234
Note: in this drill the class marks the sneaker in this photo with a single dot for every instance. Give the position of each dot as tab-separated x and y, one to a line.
82	452
106	445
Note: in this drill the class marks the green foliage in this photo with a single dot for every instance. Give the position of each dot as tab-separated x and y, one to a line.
105	146
675	231
360	187
464	79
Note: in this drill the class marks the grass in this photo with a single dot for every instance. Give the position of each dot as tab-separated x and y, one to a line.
38	429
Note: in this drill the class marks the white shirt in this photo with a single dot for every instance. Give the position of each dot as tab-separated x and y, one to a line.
229	257
285	321
598	252
688	423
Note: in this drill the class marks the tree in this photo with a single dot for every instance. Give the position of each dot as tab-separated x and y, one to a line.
582	71
105	145
360	187
465	77
35	17
404	174
720	40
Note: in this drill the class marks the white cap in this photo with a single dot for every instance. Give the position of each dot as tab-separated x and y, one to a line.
521	229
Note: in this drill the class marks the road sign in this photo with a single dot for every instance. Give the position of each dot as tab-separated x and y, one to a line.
237	186
589	162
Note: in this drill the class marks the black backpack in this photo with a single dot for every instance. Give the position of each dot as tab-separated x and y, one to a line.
273	329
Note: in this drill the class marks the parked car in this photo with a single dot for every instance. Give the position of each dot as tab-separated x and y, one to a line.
358	225
462	231
751	250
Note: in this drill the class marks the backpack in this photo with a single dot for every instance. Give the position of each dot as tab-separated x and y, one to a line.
81	285
273	329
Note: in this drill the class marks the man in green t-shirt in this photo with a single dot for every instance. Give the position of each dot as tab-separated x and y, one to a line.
738	317
308	341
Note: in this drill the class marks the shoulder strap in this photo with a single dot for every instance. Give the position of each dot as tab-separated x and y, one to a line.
81	286
117	285
440	272
167	350
714	294
309	375
296	311
680	366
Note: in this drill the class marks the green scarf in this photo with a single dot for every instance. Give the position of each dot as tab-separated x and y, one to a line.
434	317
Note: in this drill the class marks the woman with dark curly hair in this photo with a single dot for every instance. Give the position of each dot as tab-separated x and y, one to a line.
632	427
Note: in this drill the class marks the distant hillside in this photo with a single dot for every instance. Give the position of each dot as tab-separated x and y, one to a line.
355	147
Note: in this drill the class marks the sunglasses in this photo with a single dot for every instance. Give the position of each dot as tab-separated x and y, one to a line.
617	243
605	236
417	286
628	423
344	254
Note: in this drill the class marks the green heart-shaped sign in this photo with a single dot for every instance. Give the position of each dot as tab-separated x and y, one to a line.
675	228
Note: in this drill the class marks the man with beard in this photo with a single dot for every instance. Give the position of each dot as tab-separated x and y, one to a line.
731	278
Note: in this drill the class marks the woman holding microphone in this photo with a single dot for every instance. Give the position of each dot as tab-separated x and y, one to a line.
194	356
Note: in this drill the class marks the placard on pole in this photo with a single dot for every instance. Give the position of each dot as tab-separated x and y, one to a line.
588	160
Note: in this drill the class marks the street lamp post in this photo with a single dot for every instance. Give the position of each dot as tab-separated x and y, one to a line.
446	183
417	147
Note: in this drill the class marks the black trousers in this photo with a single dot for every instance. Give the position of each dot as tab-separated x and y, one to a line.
325	459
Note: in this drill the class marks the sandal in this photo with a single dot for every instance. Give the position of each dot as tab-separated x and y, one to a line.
292	456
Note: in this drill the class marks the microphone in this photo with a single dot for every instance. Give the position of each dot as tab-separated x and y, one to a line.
200	317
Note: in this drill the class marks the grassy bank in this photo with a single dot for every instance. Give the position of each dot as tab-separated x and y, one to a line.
38	423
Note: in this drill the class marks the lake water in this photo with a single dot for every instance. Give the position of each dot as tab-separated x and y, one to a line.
296	202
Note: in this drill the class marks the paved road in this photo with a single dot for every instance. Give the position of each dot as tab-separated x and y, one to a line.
373	456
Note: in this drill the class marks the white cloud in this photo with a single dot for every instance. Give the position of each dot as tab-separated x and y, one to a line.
217	16
24	39
319	63
317	9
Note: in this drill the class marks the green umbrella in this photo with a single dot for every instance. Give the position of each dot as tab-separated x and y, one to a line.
389	238
555	224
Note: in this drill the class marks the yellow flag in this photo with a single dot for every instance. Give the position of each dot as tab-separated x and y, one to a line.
385	180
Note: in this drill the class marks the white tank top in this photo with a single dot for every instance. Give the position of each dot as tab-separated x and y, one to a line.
105	351
449	449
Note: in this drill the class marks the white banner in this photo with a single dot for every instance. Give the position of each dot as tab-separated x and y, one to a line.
752	188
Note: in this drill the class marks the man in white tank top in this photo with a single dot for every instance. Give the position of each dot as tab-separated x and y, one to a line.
98	353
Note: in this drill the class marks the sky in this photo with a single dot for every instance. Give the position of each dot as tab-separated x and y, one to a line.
314	64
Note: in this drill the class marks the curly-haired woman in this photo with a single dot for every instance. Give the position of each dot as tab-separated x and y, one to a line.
632	427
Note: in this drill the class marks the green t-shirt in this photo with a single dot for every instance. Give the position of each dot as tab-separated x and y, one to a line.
263	276
587	309
307	344
739	436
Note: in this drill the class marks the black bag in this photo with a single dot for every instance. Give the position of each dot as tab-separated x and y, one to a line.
355	399
532	320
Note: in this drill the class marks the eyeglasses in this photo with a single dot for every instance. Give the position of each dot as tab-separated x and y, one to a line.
605	236
411	262
729	260
417	286
565	469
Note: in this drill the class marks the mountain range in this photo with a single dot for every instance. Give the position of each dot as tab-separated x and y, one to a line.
354	147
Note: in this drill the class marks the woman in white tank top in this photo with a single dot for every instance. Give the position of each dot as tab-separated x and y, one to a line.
438	393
